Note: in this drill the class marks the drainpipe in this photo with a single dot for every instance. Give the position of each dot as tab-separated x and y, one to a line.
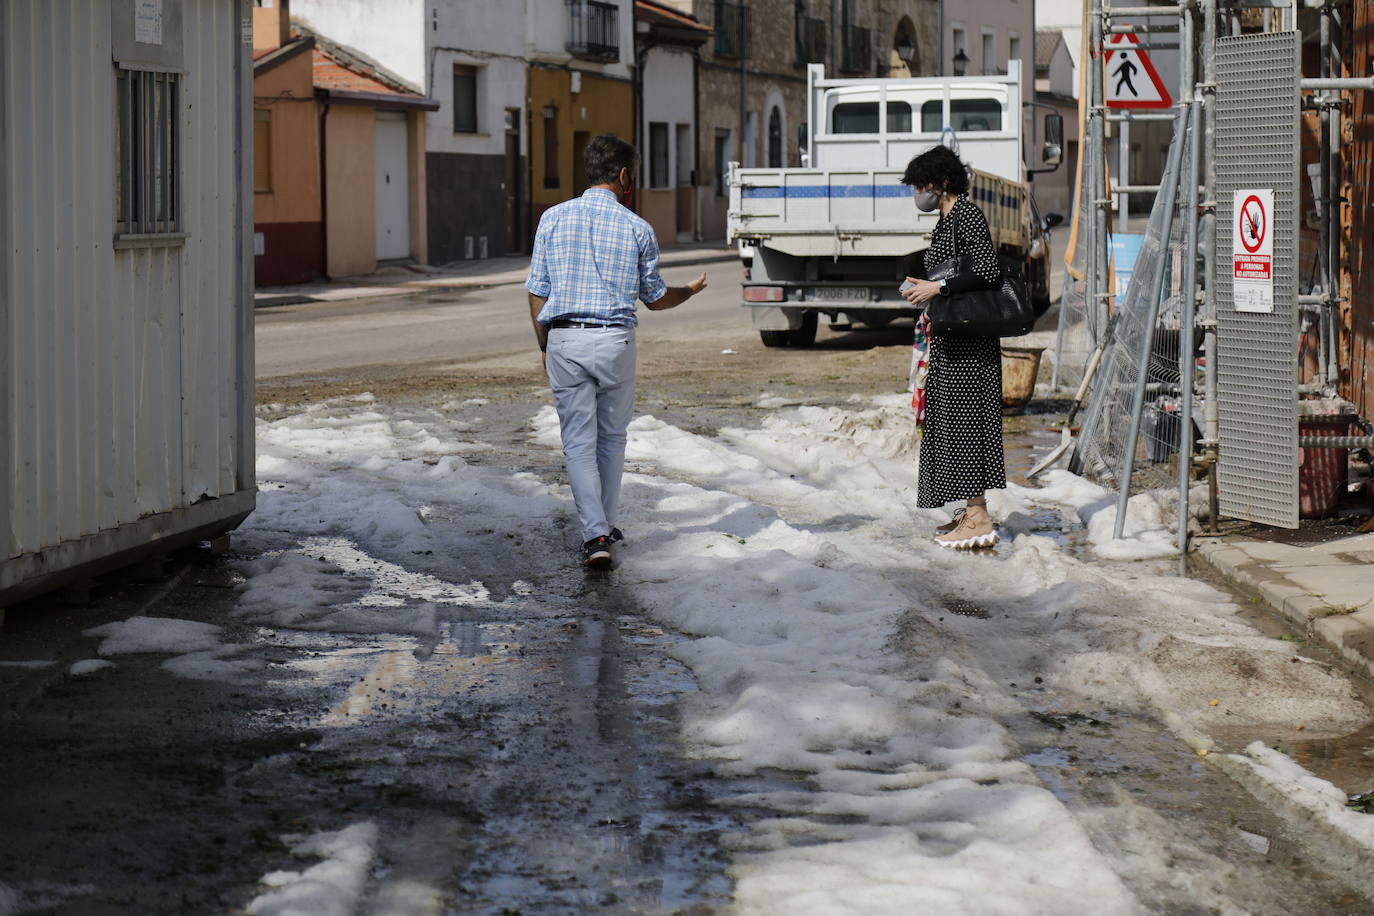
696	144
743	74
324	192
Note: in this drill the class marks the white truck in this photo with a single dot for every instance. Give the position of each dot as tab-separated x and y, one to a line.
837	236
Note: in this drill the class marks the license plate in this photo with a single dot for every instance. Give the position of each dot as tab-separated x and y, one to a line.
841	293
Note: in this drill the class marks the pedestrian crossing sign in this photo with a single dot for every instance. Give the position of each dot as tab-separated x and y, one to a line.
1131	81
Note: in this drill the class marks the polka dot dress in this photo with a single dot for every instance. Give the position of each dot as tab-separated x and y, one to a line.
961	450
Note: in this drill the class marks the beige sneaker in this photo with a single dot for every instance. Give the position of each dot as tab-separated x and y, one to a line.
953	523
973	531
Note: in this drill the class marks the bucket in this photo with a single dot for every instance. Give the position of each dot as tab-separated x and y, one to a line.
1020	366
1322	471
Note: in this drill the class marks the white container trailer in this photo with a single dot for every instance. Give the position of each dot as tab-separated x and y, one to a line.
126	336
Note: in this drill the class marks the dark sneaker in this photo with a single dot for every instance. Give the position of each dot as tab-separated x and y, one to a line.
597	552
616	536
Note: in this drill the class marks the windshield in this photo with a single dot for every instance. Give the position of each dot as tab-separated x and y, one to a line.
862	118
964	115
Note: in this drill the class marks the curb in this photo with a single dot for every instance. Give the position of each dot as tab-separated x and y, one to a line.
269	301
1349	637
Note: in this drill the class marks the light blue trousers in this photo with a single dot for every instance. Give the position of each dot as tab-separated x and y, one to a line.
592	373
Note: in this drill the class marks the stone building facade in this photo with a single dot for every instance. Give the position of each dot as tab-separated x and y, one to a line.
752	74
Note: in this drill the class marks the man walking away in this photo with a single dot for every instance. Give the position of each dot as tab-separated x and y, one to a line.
592	259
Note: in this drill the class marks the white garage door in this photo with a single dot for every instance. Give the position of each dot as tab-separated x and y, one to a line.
393	186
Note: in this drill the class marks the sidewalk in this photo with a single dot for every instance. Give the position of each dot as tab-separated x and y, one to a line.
1326	589
401	281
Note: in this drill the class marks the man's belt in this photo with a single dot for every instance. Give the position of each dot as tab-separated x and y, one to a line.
563	323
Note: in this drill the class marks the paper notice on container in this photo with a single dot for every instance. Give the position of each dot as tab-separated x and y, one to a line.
148	22
1252	251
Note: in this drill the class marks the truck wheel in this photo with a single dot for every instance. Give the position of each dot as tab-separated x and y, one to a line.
803	336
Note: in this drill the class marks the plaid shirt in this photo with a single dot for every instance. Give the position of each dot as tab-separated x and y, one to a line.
592	258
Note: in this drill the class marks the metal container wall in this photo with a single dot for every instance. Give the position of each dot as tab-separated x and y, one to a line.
127	372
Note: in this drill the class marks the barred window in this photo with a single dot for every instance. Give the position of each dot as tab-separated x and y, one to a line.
148	150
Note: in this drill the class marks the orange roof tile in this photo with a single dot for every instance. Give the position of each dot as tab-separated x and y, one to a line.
331	74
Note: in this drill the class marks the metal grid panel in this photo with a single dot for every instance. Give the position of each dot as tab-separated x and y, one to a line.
1142	333
1256	146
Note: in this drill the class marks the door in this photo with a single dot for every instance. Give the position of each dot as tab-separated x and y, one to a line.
393	186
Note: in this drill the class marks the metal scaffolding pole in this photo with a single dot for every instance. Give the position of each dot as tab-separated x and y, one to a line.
1210	413
1187	352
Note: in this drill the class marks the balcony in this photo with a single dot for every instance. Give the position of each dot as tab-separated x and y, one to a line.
857	50
593	30
810	40
732	29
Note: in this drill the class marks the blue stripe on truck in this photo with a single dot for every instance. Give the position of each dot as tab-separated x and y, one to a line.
821	190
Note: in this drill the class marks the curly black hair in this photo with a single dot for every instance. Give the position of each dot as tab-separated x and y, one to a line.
938	167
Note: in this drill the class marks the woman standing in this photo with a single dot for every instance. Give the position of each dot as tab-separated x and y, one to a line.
961	450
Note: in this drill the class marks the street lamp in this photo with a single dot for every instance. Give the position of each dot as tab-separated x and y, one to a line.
960	62
905	48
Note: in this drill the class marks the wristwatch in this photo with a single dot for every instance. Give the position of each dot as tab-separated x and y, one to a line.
944	287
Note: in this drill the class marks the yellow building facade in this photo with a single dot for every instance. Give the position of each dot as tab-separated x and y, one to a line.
566	108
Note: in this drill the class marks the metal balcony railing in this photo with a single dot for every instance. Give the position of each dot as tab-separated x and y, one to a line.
857	51
593	29
810	40
732	29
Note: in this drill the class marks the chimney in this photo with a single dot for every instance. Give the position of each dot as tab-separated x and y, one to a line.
271	24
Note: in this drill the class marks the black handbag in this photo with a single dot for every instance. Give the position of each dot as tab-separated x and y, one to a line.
1002	311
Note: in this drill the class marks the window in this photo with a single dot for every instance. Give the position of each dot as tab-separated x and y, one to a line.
957	43
964	115
862	118
732	29
551	147
1014	50
464	99
722	160
262	151
148	141
658	154
989	53
775	139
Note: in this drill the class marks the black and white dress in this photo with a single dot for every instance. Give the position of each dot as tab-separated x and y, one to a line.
961	449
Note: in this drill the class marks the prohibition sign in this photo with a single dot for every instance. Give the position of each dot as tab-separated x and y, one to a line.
1252	223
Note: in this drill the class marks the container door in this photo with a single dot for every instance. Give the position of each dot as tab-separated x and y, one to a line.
393	186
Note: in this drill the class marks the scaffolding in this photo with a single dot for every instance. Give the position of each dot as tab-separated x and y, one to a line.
1166	383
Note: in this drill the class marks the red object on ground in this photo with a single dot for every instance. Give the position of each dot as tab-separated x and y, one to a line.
1322	472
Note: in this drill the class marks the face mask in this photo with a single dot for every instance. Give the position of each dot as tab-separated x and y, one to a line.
926	201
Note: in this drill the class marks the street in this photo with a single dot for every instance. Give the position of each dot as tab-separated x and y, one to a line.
401	694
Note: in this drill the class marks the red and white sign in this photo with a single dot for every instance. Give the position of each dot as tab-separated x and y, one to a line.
1252	251
1131	80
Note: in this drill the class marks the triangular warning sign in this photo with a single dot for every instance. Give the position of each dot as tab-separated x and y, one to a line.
1130	79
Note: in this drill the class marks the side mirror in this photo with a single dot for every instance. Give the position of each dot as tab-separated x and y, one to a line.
1053	150
1051	220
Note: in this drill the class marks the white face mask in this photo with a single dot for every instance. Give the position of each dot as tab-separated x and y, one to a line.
927	201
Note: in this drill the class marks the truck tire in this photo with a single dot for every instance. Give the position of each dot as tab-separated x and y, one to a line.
803	336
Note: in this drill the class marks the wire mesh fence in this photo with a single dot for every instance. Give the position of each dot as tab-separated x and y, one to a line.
1141	348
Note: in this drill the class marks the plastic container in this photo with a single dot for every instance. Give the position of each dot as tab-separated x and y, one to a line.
1020	366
